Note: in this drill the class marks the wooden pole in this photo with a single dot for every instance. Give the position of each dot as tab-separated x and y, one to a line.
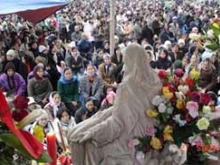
112	26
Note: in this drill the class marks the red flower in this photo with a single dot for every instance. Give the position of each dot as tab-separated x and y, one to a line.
179	72
205	98
18	115
21	102
189	82
188	118
194	96
34	147
65	160
162	74
170	86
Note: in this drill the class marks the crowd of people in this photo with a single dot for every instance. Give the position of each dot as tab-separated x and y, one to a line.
64	66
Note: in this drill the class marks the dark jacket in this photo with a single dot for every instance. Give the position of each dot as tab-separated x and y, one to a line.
83	114
39	89
76	64
162	64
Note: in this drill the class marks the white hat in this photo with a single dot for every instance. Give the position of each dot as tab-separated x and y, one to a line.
44	115
106	55
42	48
11	52
31	101
72	44
181	41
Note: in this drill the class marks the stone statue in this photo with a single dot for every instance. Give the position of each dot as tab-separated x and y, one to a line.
103	139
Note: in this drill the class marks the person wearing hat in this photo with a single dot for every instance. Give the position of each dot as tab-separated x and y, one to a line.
11	56
107	71
174	26
11	81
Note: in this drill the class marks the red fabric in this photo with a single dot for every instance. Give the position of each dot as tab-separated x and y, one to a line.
34	147
38	15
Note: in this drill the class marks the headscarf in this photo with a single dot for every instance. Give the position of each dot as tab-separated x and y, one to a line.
63	80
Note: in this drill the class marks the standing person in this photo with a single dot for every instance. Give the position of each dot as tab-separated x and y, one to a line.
68	89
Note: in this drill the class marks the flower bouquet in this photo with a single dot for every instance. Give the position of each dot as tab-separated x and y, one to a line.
183	115
212	37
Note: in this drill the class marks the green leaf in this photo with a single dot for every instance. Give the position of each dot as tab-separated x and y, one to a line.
213	46
14	142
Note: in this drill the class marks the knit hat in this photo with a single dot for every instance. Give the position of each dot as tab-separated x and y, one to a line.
11	52
177	64
181	41
106	55
10	65
42	48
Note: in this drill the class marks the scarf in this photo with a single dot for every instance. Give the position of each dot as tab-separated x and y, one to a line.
63	80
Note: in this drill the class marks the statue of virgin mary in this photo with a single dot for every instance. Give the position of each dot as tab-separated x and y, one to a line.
103	139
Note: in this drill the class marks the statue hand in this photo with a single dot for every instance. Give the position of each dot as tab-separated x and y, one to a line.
86	137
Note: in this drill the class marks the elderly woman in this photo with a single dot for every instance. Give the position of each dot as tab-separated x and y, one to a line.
103	139
208	76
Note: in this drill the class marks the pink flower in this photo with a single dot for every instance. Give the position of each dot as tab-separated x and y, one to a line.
133	142
193	108
196	141
150	130
214	134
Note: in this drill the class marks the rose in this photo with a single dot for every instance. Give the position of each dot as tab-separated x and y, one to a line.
156	143
140	157
166	93
157	100
179	72
196	141
214	134
162	74
133	142
21	102
189	82
170	87
152	113
205	98
179	104
194	74
183	88
168	130
180	96
162	108
206	109
193	108
203	124
178	120
170	110
150	131
194	96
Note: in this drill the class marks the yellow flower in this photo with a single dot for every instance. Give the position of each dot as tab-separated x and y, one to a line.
156	143
203	124
166	93
38	132
179	104
167	137
168	130
194	74
206	109
216	25
152	113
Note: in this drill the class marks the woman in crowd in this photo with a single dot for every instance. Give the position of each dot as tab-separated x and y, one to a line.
54	105
39	87
108	101
68	89
208	77
11	81
91	86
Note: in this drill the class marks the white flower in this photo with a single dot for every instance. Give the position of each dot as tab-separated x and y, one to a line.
203	124
170	110
183	88
210	33
180	96
157	100
219	39
177	119
206	109
140	157
162	108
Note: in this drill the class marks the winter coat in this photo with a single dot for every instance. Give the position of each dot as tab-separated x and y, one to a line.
39	89
16	82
